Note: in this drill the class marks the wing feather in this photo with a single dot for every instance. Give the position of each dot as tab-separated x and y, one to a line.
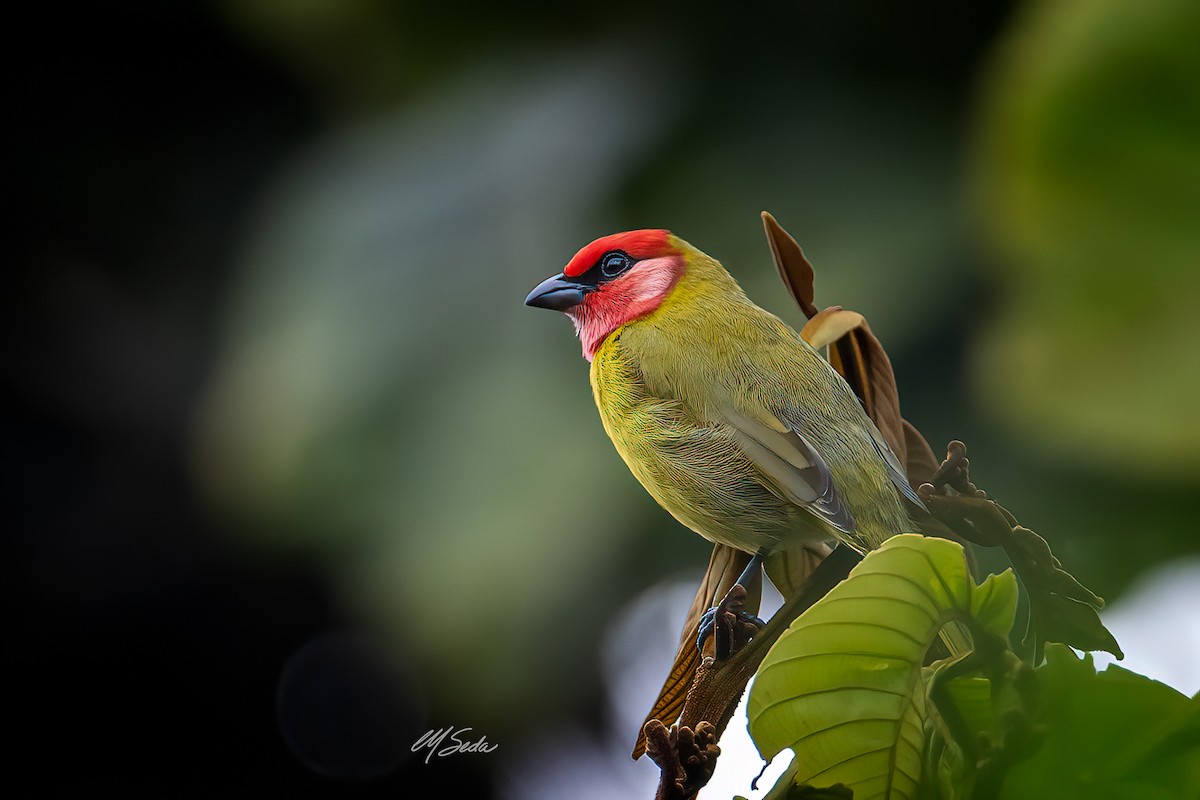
791	466
894	468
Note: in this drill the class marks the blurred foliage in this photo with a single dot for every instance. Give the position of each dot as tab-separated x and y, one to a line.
386	397
1088	165
1114	734
868	189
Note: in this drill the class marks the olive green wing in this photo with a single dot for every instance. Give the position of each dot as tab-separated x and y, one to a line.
790	465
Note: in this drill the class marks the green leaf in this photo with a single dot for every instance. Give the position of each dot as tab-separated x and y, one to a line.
1115	734
835	792
972	697
1058	619
843	687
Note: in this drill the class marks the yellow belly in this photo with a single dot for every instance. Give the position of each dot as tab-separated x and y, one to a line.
694	470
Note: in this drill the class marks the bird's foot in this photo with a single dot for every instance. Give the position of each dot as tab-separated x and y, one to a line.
686	758
729	623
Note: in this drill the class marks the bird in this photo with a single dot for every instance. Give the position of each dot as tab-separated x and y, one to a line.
728	418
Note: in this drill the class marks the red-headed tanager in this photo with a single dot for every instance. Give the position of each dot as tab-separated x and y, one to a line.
731	421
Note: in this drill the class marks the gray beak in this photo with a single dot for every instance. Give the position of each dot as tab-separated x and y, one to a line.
557	293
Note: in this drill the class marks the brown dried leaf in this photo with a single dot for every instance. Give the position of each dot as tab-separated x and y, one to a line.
829	325
861	359
793	267
920	463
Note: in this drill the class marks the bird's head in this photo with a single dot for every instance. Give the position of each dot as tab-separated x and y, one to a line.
612	281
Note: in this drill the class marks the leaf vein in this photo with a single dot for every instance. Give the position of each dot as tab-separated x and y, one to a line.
844	761
890	598
868	623
841	724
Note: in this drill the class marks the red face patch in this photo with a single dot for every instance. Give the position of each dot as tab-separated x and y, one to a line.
643	244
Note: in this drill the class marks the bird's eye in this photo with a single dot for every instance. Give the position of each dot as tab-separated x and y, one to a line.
613	264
